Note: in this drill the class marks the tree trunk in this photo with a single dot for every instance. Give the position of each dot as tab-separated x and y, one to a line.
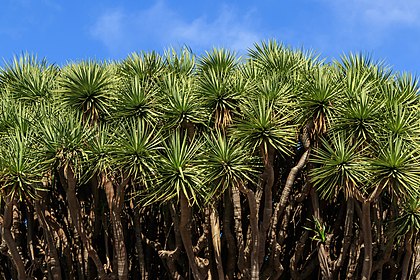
96	211
354	254
68	181
171	257
115	204
215	236
237	215
288	187
253	219
300	245
408	255
30	231
367	240
322	250
8	238
268	203
230	240
348	228
185	230
52	258
415	272
139	245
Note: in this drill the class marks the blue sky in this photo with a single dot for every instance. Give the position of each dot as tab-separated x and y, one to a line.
75	30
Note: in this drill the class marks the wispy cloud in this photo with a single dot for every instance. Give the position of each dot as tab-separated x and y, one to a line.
109	29
367	25
121	30
379	14
392	12
227	30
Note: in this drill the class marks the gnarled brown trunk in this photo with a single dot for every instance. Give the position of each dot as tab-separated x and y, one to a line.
68	181
115	204
348	227
52	259
8	238
367	241
215	237
288	187
227	233
139	245
408	255
185	231
268	202
237	214
323	256
253	219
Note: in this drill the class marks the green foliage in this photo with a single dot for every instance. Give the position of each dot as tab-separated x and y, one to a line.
181	105
144	66
178	171
21	172
359	117
318	98
320	231
180	63
29	79
409	220
262	126
136	151
88	87
137	100
396	167
222	62
62	137
227	163
340	168
159	127
274	57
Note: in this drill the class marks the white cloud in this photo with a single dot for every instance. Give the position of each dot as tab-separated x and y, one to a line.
380	13
393	12
122	30
109	28
368	25
226	30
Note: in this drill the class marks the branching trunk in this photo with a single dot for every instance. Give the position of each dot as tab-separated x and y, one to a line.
8	238
354	255
115	204
30	231
185	230
52	259
227	233
231	248
57	229
215	236
408	255
253	219
170	256
284	198
68	181
367	240
167	256
323	255
237	213
139	245
268	203
415	271
387	245
298	255
348	228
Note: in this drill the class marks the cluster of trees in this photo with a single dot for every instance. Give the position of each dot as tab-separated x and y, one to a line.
272	166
